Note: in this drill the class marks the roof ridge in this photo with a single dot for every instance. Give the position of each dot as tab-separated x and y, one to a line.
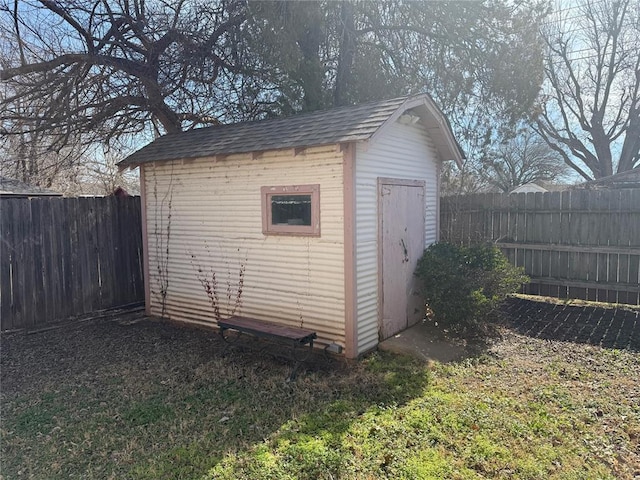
298	115
348	123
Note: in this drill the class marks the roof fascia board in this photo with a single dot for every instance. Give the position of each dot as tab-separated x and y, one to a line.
406	105
455	151
444	127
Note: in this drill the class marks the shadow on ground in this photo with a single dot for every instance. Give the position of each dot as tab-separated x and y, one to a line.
617	328
138	398
607	327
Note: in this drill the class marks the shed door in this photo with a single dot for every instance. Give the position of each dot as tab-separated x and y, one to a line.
402	244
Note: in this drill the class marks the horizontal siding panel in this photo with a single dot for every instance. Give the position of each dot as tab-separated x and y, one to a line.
313	311
329	328
194	230
295	284
404	152
215	217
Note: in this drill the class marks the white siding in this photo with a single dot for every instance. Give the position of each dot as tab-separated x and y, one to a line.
216	225
404	152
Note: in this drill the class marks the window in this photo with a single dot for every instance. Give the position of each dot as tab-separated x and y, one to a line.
291	210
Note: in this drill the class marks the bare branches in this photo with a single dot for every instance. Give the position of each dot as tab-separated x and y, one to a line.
522	159
589	108
16	24
69	20
92	64
100	70
65	60
223	303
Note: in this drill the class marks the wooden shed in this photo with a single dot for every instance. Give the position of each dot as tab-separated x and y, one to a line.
316	220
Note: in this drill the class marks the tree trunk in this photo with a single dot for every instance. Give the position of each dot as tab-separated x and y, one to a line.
310	70
346	55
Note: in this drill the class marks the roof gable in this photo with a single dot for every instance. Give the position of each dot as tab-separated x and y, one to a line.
339	125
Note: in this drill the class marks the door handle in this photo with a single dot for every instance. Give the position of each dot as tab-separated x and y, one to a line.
405	252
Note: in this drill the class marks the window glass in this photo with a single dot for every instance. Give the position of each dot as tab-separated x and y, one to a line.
291	210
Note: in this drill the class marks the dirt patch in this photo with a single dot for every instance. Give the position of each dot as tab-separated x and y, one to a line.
36	361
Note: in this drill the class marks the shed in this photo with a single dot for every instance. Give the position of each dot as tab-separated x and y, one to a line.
317	219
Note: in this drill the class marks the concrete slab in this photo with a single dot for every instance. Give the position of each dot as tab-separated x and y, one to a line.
419	342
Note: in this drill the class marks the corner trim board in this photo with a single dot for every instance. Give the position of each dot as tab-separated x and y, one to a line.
350	295
145	241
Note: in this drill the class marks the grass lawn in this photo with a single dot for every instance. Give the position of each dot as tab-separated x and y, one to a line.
154	401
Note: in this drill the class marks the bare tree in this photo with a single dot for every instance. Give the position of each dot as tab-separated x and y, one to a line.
28	156
101	176
102	69
590	106
461	181
522	159
73	170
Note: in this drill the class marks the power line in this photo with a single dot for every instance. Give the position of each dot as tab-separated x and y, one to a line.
578	27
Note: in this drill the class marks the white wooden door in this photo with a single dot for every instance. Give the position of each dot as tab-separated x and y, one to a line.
402	243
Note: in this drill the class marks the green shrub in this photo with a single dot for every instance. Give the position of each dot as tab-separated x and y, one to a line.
462	286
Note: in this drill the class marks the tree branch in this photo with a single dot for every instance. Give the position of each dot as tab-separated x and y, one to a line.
55	8
133	68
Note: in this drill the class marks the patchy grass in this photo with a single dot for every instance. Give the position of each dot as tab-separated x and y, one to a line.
151	400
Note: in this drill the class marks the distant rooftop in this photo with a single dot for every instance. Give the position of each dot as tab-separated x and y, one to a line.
10	187
628	179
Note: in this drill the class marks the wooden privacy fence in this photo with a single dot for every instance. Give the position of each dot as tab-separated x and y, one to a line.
581	244
65	257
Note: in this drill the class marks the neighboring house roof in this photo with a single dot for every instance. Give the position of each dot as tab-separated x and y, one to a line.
541	186
557	187
10	187
628	179
339	125
529	187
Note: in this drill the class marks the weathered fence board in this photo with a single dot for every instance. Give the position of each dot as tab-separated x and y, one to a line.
67	257
573	244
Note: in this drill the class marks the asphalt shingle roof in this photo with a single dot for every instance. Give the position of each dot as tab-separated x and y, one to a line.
345	124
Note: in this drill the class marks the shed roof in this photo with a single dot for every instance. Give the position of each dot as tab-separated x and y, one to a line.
338	125
10	187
